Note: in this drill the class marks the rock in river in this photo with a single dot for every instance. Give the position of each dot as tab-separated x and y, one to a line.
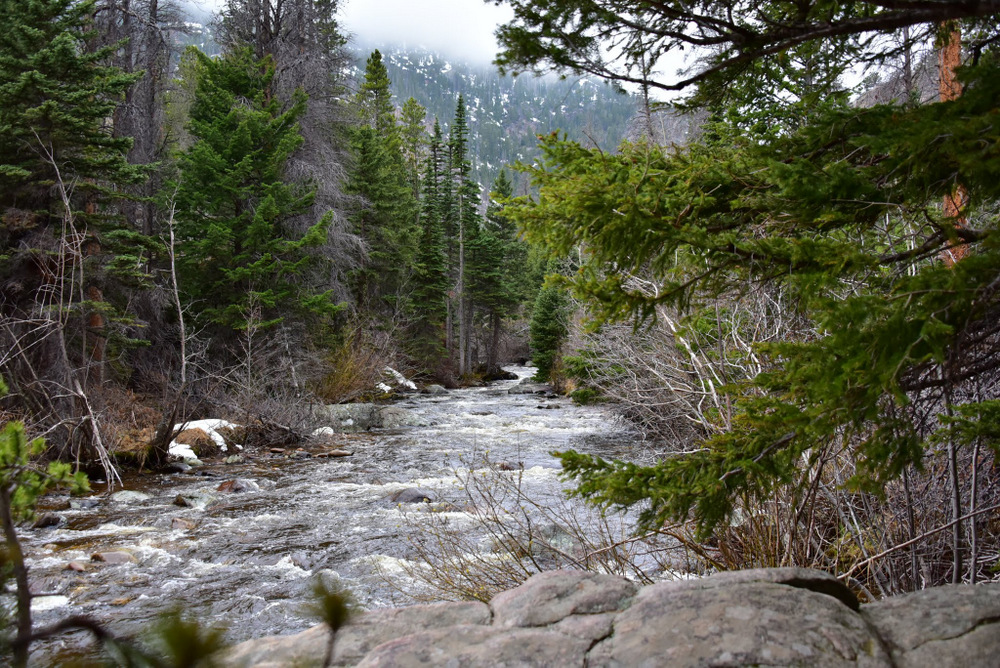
412	495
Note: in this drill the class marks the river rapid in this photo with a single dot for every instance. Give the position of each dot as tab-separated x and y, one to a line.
246	561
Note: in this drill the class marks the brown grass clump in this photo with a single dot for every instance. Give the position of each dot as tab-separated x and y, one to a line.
200	442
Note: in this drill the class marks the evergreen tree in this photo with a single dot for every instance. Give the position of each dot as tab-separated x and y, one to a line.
549	327
386	216
61	172
464	231
236	258
430	292
497	267
375	100
842	213
414	138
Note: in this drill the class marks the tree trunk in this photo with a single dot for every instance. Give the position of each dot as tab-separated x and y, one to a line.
16	559
951	89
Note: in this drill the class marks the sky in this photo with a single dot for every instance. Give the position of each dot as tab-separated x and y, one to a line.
460	29
456	28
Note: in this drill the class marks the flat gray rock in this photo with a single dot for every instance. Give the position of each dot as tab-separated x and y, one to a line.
800	578
943	626
302	649
752	623
486	646
551	596
355	640
379	626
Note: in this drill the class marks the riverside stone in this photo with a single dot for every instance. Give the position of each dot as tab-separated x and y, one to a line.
479	646
554	595
954	625
786	617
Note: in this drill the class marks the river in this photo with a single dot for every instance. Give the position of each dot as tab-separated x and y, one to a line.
246	561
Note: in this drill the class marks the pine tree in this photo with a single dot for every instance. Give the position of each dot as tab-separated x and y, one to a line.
61	172
851	197
386	216
549	327
498	264
236	259
430	292
464	230
414	138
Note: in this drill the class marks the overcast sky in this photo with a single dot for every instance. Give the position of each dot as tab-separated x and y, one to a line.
456	28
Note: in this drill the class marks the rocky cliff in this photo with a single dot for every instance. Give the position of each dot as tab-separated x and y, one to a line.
775	617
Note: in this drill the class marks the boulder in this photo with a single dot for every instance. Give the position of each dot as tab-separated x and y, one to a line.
412	495
364	633
552	596
394	417
749	623
46	520
237	485
435	390
114	557
485	646
943	626
777	617
351	417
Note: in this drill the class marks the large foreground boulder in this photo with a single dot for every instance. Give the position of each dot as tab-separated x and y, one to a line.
775	617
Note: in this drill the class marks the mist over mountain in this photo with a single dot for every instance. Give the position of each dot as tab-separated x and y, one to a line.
506	114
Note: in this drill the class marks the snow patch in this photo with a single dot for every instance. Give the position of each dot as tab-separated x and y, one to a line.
210	427
401	379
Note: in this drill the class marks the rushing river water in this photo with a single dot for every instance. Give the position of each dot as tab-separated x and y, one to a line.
246	561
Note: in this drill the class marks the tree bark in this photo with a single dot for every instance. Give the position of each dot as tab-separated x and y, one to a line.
950	89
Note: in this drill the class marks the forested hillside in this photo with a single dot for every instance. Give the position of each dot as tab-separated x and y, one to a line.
506	113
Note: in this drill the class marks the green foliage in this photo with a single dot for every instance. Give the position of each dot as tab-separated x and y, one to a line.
238	260
549	327
185	643
55	96
585	396
844	214
386	217
23	480
430	293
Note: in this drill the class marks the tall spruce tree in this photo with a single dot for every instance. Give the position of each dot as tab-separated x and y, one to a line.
549	326
61	171
497	267
430	293
386	215
414	139
237	259
464	231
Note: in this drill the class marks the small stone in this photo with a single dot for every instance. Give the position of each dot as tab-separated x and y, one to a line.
176	467
181	523
46	520
114	557
76	566
277	451
129	496
182	502
234	459
232	487
334	453
412	495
